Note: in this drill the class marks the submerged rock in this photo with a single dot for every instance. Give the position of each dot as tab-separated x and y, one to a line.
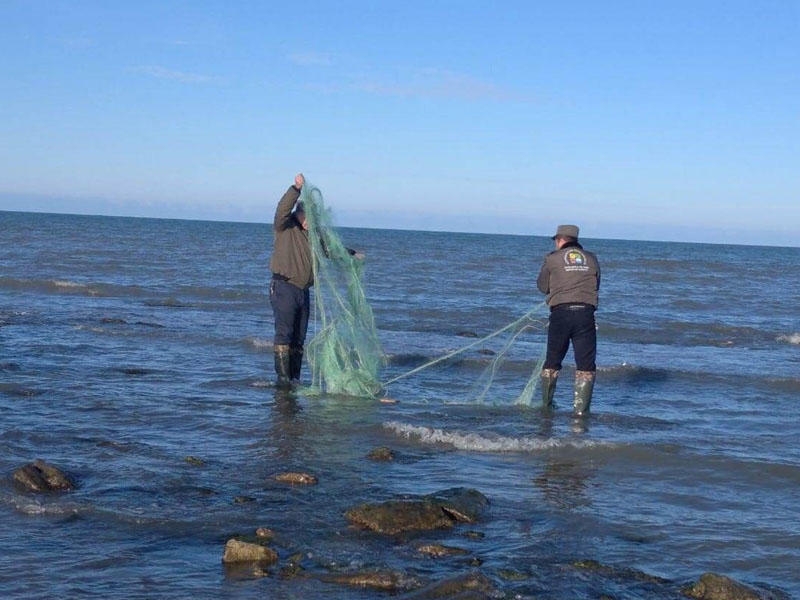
435	511
381	454
464	587
40	476
296	478
711	586
439	550
624	573
385	581
237	551
265	533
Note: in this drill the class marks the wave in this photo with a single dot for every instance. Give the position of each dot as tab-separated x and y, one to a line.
156	295
793	338
258	343
481	442
66	286
666	332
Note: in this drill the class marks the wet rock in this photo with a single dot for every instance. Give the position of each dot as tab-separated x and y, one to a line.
467	334
237	551
436	511
385	581
512	575
439	550
292	568
381	454
472	586
296	478
40	476
243	499
397	516
462	504
193	460
625	573
265	533
711	586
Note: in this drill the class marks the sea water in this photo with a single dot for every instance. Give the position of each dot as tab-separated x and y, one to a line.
136	355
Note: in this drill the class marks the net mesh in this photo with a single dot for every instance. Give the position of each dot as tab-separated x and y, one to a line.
345	354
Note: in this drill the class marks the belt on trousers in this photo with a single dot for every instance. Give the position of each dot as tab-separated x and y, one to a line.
571	306
278	277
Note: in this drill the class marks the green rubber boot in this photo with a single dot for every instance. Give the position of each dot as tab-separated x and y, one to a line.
584	386
282	366
549	378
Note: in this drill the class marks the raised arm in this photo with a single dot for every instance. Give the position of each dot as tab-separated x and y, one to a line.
283	213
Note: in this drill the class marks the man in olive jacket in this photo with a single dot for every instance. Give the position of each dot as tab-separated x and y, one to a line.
292	276
570	276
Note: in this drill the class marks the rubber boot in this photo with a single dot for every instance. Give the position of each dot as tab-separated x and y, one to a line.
549	379
282	366
295	362
584	385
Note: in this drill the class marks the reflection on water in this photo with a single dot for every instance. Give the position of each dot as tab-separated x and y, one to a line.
563	481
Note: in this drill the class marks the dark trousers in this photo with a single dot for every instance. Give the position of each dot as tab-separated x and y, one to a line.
290	308
572	323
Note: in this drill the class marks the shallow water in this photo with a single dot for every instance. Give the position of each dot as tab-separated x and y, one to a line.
128	345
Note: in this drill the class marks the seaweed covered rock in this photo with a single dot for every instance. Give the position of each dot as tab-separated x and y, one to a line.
296	478
385	581
464	587
40	476
435	511
381	454
711	586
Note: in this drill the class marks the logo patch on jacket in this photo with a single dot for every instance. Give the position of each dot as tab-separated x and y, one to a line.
575	260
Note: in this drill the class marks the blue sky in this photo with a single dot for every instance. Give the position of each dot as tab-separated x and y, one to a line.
636	120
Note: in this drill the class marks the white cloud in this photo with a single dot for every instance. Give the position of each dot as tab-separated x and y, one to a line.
170	74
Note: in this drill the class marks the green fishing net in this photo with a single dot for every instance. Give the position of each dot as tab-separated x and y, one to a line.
485	388
345	354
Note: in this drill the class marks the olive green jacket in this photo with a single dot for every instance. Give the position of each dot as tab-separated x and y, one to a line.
570	275
291	255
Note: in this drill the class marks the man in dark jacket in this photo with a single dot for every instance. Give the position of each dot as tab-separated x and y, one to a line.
292	276
570	276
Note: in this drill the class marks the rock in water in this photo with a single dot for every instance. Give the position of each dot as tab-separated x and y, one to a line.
386	581
236	551
381	454
435	511
40	476
296	478
439	550
472	585
711	586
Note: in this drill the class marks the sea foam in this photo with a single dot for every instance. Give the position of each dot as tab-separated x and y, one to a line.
793	338
477	442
